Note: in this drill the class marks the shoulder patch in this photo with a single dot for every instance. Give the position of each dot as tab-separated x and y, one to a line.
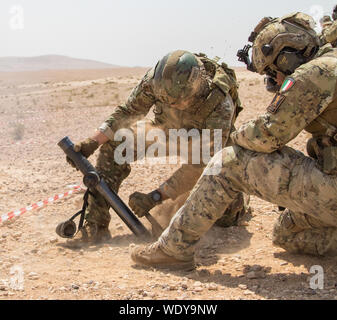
276	103
287	85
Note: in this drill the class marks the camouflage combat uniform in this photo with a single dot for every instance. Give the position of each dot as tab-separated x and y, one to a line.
217	109
329	34
260	164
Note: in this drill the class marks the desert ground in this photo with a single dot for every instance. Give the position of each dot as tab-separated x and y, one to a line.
38	109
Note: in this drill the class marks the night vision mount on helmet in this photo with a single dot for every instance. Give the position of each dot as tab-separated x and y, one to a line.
243	54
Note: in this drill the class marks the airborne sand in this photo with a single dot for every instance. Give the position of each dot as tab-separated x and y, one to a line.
37	109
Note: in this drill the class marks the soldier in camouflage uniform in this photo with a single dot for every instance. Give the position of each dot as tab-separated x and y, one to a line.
261	164
325	22
329	30
189	92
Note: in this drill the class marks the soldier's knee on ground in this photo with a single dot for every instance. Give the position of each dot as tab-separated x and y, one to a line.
312	241
316	242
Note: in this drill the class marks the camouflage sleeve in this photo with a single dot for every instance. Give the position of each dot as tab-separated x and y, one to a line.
330	34
303	96
137	106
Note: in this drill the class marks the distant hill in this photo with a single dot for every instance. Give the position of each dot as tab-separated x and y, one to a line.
49	62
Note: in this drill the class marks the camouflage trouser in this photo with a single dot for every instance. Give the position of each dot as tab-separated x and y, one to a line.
113	174
235	212
285	177
183	180
301	233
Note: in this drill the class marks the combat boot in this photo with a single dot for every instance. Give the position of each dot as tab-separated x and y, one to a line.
90	233
153	256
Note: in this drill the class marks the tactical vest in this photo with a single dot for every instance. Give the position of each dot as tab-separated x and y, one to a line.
222	82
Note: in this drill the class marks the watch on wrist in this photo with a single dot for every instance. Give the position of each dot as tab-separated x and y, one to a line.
156	196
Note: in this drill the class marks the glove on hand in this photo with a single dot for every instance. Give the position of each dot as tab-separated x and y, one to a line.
142	203
87	147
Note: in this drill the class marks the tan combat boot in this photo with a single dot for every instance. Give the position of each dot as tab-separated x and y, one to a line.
90	233
153	256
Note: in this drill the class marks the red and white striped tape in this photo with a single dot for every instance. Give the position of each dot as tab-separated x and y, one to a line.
10	122
39	205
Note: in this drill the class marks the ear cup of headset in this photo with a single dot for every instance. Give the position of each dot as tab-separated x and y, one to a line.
288	61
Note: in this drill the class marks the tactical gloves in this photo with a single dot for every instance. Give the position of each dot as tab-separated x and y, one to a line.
142	203
86	147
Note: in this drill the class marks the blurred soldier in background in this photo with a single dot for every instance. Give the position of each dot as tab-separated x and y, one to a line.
325	22
329	29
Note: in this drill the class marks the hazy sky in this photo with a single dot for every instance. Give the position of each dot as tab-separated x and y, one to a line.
130	32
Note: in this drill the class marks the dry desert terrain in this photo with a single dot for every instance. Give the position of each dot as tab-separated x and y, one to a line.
37	109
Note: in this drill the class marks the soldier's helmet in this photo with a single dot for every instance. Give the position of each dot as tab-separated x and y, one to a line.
179	77
283	44
325	21
334	12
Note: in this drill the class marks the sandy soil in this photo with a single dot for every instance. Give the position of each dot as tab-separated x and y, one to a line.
37	109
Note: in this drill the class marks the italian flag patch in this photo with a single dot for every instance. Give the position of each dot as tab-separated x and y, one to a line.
287	84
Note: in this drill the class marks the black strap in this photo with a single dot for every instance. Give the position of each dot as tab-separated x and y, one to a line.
82	211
